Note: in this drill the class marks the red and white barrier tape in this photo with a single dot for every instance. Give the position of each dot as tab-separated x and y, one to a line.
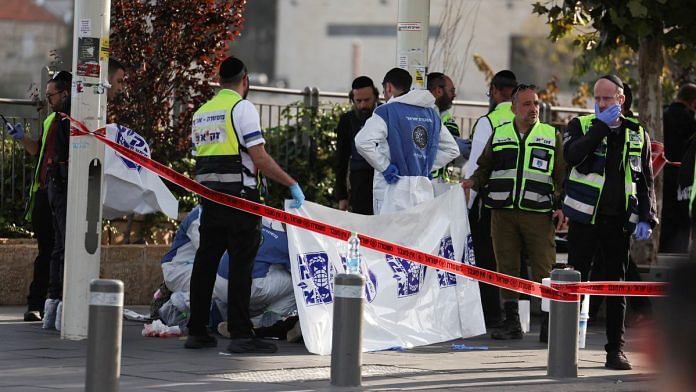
566	292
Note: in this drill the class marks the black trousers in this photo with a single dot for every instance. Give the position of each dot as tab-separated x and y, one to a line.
361	191
58	200
608	240
639	305
480	223
223	228
42	225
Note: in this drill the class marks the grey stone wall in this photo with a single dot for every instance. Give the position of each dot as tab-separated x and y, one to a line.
138	266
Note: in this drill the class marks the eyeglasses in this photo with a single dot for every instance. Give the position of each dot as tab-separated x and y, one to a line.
52	94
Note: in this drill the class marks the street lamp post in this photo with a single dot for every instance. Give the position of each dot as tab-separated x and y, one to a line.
83	220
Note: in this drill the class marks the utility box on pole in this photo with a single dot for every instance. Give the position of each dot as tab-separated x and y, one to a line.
412	39
83	220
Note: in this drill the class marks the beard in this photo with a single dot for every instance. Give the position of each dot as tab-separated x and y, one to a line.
363	114
443	103
491	104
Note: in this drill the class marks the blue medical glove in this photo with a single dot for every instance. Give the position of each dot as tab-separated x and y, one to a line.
16	131
297	195
643	231
391	175
609	116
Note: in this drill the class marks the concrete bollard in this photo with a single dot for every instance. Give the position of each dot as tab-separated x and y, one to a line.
104	335
563	330
346	342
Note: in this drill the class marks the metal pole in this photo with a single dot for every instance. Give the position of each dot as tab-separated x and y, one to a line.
83	220
563	330
346	342
412	39
104	340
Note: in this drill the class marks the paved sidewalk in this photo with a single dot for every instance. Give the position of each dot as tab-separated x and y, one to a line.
33	359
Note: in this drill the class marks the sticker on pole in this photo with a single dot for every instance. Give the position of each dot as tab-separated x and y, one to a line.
106	299
104	49
88	57
409	26
85	27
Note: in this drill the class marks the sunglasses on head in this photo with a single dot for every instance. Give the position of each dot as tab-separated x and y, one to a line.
522	87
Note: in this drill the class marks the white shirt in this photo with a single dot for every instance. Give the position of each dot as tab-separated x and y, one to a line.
248	127
482	132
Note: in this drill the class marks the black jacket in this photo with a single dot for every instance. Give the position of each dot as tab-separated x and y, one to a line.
679	128
577	148
346	155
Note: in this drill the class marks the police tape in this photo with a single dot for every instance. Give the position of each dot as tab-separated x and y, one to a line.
639	289
512	283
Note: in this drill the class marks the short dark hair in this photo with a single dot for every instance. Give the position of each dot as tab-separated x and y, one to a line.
399	78
115	65
435	79
362	82
232	71
503	79
687	92
62	80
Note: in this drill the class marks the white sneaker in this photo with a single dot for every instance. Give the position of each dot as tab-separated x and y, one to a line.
222	329
59	315
295	334
49	319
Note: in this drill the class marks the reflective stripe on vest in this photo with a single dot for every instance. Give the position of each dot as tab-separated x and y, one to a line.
453	128
218	177
218	159
584	190
522	181
35	182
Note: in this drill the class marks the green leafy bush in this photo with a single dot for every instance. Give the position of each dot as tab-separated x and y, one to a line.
305	148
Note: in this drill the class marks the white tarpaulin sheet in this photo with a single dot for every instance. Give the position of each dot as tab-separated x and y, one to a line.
129	187
406	303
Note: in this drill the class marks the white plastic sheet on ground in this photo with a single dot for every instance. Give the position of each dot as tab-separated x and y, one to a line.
129	187
406	304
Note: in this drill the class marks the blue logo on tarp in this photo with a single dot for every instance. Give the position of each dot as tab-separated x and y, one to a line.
446	279
316	278
129	138
408	274
469	257
370	282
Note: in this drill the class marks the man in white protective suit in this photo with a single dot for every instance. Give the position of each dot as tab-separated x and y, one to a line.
404	141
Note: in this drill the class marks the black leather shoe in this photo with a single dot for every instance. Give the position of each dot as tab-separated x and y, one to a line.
510	330
617	360
32	315
200	341
251	346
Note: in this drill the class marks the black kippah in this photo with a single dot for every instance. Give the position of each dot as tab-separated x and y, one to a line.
63	76
231	67
614	79
504	78
362	82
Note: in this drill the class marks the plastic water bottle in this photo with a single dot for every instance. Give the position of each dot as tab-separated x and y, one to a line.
584	316
353	260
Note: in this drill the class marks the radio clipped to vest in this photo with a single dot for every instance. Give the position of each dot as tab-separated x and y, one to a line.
522	172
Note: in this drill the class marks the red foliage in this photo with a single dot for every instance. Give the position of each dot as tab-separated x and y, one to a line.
171	49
